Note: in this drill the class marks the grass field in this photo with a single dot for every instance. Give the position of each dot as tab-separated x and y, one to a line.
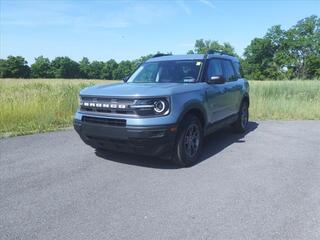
29	106
286	100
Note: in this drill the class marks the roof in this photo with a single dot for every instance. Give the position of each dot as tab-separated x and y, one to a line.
191	57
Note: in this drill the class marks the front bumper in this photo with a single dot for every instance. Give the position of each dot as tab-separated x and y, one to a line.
145	140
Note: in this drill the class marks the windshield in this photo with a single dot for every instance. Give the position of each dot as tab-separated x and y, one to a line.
167	72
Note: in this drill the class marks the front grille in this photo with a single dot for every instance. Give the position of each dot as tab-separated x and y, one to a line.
105	121
99	105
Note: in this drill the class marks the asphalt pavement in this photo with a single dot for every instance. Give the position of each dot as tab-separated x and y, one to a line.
264	184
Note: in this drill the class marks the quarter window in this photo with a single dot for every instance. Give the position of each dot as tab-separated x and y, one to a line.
228	71
238	69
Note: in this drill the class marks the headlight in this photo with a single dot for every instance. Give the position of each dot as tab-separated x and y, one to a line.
159	106
147	107
80	101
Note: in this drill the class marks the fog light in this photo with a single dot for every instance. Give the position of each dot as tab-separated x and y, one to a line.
173	129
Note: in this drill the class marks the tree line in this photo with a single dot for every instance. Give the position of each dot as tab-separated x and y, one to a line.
279	54
64	67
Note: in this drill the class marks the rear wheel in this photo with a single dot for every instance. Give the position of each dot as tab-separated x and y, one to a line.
240	125
189	142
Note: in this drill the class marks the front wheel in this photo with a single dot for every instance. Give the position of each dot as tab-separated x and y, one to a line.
189	142
240	125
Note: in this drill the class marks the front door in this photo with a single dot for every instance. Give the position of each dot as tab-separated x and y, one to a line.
217	96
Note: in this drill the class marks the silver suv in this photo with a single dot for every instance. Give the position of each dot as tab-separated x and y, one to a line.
166	106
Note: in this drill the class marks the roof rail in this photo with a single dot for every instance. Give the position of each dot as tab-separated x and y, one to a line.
212	51
161	55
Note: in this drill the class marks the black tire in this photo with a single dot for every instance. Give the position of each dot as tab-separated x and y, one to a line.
100	150
189	142
241	124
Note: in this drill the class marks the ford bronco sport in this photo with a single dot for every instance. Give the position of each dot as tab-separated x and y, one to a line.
166	106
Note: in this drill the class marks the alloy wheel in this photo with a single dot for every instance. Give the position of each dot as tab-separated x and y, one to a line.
192	140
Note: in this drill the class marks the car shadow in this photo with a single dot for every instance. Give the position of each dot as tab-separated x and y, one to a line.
223	138
213	144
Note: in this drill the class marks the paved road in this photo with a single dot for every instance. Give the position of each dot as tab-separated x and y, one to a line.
262	185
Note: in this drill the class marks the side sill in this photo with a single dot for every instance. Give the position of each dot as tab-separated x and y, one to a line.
220	124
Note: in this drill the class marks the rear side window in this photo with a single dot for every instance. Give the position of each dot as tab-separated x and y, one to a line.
228	71
214	68
238	69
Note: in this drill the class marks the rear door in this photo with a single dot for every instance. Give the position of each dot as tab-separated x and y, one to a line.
232	87
239	83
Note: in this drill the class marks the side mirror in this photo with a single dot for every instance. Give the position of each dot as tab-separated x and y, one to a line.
125	79
217	79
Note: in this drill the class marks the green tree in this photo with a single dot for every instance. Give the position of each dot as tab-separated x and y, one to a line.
14	67
108	70
3	68
276	35
64	67
41	68
96	70
258	63
312	66
202	46
302	41
124	69
292	53
84	68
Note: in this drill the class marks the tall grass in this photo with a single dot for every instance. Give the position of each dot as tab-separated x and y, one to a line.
287	100
28	106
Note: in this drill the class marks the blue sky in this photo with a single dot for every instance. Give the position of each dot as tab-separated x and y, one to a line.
101	30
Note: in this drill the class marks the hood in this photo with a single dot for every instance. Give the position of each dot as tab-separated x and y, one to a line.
139	89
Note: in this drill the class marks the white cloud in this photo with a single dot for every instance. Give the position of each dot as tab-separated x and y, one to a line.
208	3
184	7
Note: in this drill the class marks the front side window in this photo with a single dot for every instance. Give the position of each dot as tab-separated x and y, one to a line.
167	72
214	68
